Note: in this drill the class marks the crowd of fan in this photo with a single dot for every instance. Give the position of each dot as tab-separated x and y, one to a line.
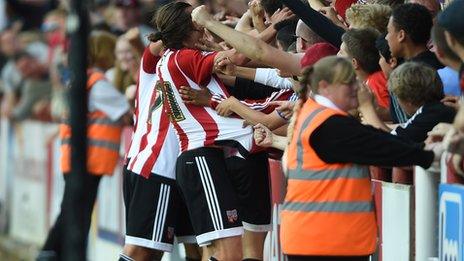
406	100
34	49
35	72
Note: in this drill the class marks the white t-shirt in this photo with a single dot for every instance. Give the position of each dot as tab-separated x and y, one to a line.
270	77
104	97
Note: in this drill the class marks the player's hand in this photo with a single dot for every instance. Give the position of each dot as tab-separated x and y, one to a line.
200	97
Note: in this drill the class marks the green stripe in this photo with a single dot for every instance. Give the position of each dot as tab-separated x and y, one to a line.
360	206
353	172
96	143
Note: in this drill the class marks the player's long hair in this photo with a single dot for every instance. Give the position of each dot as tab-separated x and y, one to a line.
174	24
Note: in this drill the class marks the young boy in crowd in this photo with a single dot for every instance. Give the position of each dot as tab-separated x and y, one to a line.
359	46
419	91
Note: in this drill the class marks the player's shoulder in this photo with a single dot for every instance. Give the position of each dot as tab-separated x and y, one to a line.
149	61
187	52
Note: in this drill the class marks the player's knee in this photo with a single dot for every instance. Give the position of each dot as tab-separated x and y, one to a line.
132	252
228	249
192	251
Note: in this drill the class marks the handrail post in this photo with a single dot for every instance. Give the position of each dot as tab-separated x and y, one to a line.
426	196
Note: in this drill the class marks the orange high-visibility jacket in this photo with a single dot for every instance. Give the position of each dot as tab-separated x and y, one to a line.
328	208
103	139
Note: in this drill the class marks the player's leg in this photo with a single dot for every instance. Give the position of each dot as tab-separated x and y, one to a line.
149	217
211	201
184	230
250	178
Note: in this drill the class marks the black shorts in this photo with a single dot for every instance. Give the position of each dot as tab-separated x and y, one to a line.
250	178
155	212
209	194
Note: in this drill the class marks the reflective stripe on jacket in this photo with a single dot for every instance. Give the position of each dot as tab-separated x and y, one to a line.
103	139
328	208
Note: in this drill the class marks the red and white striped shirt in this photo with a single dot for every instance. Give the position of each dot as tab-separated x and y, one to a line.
198	126
154	146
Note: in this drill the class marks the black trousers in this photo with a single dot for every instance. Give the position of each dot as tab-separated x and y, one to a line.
85	201
328	258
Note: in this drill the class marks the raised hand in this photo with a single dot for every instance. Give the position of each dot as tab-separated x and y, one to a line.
331	14
225	66
208	43
257	15
132	34
256	8
201	16
365	96
280	15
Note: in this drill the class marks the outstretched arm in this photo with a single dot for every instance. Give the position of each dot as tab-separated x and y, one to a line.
231	104
253	48
320	24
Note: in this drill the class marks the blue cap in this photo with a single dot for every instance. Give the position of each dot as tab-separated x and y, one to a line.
452	18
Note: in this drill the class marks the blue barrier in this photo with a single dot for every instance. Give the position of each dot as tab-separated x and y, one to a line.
451	226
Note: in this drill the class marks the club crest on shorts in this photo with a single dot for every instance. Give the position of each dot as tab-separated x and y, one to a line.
232	215
170	233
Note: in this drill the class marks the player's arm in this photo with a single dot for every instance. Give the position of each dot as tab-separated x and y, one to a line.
232	105
156	48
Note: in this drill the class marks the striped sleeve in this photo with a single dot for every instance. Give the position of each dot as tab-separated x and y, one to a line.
265	105
216	98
